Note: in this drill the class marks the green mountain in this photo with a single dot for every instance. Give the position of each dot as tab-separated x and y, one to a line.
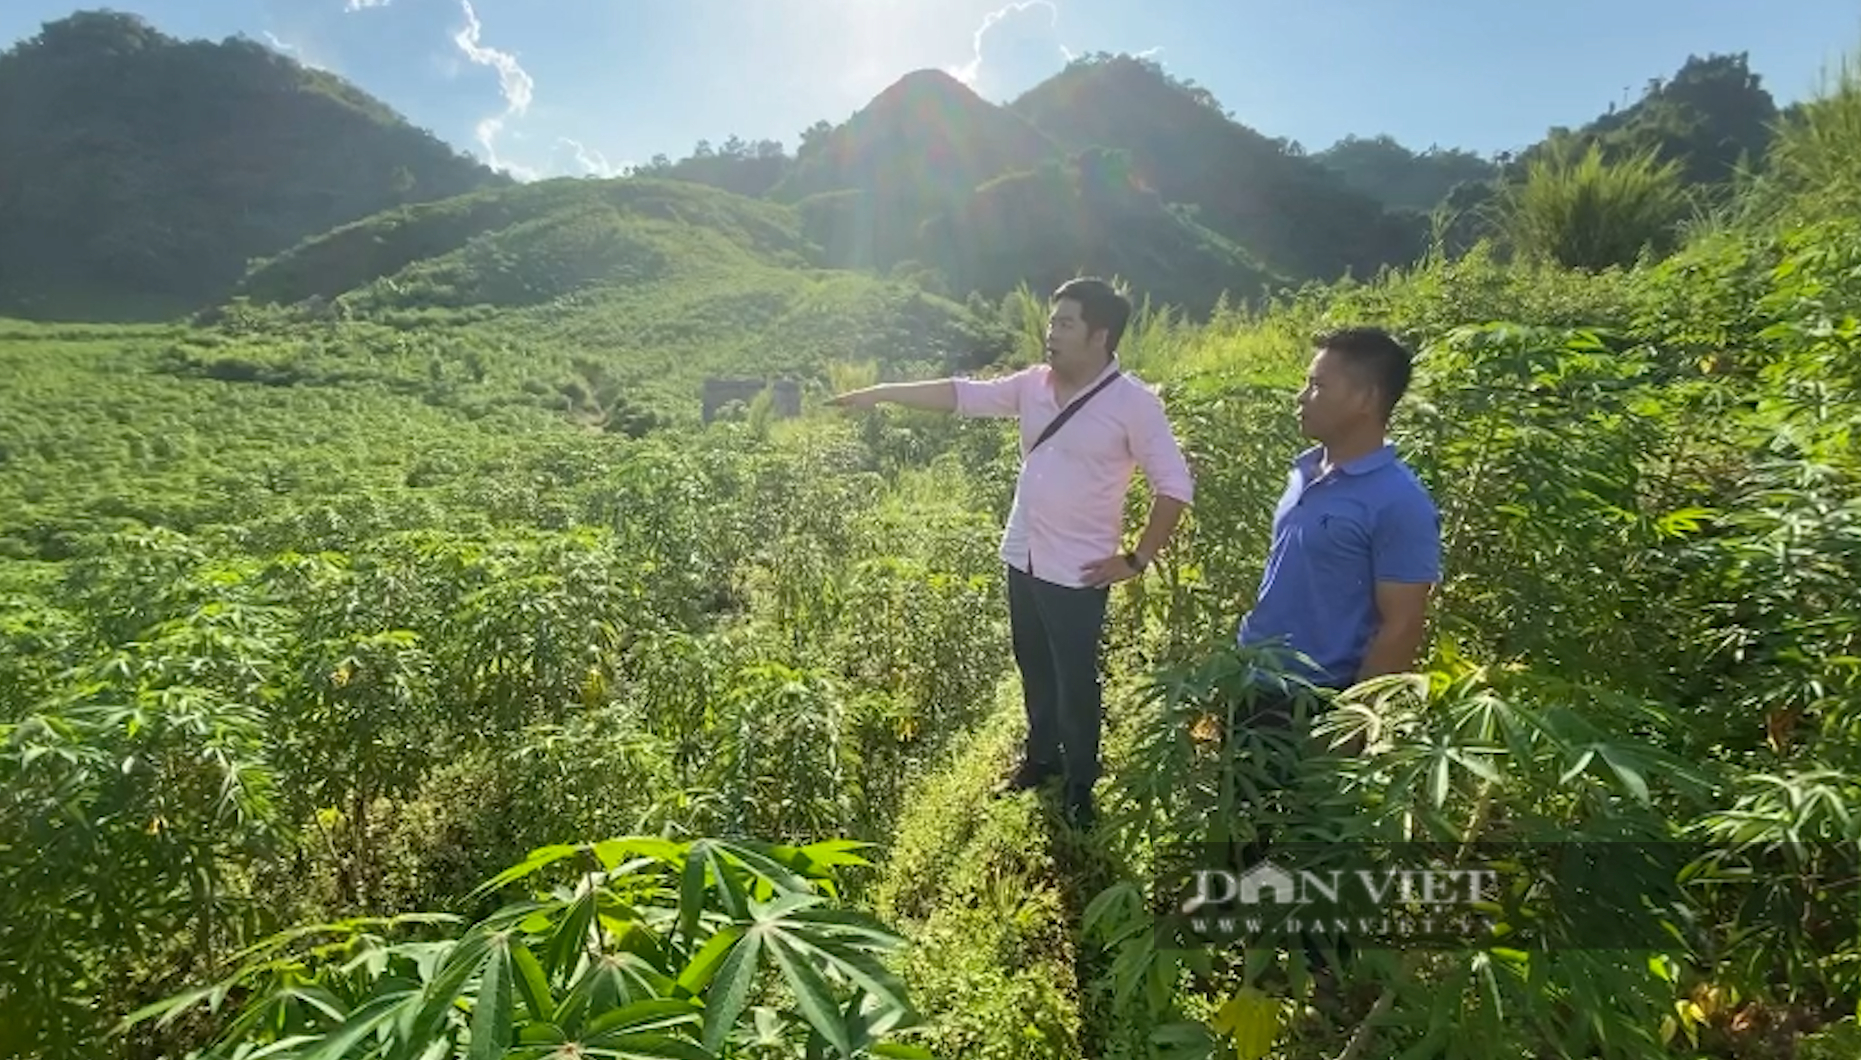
1089	215
621	295
920	148
139	173
529	243
1290	212
1712	119
1711	116
145	176
1400	178
932	179
736	165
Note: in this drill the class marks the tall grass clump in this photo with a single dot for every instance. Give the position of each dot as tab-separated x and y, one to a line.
1584	212
1815	160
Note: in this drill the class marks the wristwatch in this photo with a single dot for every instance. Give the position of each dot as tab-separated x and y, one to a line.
1137	562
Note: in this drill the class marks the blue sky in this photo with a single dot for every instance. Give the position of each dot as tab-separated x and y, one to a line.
558	87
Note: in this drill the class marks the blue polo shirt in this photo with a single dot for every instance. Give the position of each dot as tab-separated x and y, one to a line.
1334	538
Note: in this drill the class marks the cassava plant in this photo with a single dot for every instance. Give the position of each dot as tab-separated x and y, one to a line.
643	949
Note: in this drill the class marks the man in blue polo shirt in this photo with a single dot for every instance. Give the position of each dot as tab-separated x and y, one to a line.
1356	552
1356	545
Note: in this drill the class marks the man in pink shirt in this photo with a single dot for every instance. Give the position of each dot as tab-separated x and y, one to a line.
1063	543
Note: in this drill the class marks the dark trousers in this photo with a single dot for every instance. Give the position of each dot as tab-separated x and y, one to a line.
1056	631
1272	712
1269	712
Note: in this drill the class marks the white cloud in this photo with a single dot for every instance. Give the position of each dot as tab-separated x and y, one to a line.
358	5
292	50
593	162
516	85
971	70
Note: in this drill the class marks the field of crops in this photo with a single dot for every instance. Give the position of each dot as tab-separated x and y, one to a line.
371	706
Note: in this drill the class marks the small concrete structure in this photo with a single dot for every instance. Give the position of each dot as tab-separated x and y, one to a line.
720	392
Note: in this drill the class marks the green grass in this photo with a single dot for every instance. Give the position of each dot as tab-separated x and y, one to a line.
975	884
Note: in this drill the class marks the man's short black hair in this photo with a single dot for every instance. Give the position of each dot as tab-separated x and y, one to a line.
1377	358
1100	305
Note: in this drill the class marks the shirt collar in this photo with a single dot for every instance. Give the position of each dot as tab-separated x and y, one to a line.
1090	383
1307	461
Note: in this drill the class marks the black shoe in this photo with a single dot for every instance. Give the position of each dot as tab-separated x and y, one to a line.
1026	777
1080	812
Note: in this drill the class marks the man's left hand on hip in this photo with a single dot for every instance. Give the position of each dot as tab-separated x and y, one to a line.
1108	571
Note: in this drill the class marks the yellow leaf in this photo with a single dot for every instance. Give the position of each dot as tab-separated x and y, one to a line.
1251	1018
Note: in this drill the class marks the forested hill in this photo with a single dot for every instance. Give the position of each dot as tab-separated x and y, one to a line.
1712	117
1400	177
143	176
1110	166
1289	211
1185	193
1712	121
977	197
140	173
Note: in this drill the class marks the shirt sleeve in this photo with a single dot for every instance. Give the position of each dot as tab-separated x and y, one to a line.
1406	544
1154	447
991	397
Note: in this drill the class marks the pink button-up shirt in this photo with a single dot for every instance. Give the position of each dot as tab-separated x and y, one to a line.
1069	500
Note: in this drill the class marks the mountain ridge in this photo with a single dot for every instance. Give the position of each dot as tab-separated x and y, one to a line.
139	168
1110	166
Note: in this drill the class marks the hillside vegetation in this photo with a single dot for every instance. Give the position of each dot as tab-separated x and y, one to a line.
919	149
140	173
392	666
1135	172
1400	178
613	300
1291	212
1705	131
1712	118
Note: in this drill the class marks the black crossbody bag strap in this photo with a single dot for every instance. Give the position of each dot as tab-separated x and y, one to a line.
1067	412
